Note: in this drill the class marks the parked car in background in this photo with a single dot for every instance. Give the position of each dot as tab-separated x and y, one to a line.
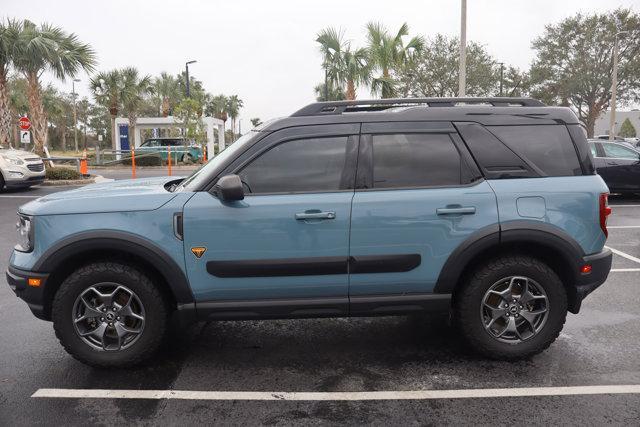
20	168
633	141
618	164
625	141
186	151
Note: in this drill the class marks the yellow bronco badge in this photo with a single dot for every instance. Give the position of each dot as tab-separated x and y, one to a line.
198	251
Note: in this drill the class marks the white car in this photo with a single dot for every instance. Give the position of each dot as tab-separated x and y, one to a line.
20	169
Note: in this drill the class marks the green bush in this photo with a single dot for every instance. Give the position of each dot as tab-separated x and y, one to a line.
57	173
145	161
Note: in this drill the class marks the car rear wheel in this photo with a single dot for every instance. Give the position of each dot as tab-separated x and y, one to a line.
109	314
511	308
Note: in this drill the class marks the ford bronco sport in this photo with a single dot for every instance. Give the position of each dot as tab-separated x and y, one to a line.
487	209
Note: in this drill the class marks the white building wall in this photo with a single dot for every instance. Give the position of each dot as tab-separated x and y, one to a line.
602	124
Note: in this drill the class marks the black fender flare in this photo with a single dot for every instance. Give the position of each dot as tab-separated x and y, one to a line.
118	241
510	232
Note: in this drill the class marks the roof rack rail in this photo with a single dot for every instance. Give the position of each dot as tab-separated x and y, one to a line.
339	107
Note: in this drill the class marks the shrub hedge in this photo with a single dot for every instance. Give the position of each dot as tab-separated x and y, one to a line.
58	173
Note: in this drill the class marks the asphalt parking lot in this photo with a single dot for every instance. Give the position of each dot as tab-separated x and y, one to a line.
598	347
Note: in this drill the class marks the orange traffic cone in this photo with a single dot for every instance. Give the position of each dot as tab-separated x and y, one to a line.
83	164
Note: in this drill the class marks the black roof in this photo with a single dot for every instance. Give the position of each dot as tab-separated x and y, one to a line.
487	111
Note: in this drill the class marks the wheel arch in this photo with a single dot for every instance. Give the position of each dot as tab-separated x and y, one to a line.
69	254
545	242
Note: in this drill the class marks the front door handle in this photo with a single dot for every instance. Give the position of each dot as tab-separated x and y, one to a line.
315	215
458	210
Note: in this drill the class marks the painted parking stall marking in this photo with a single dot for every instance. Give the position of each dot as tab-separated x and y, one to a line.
337	395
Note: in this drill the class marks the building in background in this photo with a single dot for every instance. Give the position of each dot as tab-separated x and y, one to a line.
602	124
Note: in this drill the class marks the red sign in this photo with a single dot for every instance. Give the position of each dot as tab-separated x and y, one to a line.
25	123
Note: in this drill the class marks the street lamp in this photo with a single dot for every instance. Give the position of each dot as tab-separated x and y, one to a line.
186	65
75	114
462	72
614	87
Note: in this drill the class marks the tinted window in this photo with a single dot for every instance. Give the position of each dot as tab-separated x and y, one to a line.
414	160
619	152
297	166
548	147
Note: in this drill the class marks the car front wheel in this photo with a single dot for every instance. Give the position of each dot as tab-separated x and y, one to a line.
109	314
511	308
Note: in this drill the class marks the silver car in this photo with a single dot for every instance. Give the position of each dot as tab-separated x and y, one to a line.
20	169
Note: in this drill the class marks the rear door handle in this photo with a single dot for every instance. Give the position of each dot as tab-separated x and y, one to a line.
462	210
315	215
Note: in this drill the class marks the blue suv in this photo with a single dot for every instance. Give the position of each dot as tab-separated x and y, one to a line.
488	209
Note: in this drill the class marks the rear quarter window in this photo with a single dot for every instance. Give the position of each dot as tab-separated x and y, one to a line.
548	147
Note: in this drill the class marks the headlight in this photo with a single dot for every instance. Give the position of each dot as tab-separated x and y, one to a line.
13	160
24	230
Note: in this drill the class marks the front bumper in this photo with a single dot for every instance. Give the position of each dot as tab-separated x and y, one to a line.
600	266
18	281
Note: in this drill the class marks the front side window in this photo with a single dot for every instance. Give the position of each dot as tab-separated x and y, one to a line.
414	160
304	165
619	152
594	152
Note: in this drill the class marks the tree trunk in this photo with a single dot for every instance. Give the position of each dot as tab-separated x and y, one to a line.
114	133
63	138
38	117
386	90
590	120
351	90
165	107
5	111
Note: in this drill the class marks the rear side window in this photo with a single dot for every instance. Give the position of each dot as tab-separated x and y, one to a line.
304	165
548	147
414	160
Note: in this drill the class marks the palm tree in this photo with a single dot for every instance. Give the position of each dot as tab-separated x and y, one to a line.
217	107
167	89
388	54
356	70
134	91
107	91
233	109
331	45
48	48
343	66
9	32
331	94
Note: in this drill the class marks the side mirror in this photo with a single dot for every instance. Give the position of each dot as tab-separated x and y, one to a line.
229	188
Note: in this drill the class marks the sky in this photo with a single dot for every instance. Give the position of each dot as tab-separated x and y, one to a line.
265	51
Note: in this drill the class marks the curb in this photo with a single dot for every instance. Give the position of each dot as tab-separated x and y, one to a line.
68	182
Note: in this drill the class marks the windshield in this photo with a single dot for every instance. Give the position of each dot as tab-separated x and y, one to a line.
197	178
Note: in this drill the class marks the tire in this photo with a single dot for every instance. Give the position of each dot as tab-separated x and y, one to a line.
131	287
1	183
489	284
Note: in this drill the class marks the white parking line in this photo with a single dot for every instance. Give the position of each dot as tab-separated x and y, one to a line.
336	395
624	255
11	196
625	206
624	270
623	226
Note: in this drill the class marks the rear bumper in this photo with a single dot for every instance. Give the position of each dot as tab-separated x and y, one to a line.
18	281
600	266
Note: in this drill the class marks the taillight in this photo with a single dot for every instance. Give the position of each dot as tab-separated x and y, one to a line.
605	211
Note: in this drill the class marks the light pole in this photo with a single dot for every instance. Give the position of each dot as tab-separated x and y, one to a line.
186	65
501	75
75	114
462	83
614	87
